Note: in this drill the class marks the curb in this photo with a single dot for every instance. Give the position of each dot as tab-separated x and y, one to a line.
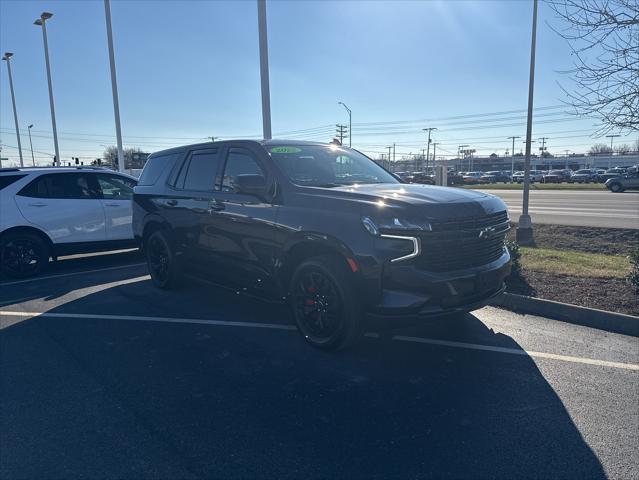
565	312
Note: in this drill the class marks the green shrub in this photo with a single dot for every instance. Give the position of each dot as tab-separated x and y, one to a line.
515	257
633	276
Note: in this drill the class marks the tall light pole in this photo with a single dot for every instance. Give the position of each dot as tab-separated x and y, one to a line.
41	22
430	129
266	94
350	124
611	137
512	159
114	85
31	144
7	58
524	227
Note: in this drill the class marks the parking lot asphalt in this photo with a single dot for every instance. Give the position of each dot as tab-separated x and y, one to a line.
103	375
576	208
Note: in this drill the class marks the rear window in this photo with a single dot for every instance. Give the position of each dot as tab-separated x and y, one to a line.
6	180
154	168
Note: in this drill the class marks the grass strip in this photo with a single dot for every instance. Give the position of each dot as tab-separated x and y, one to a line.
575	264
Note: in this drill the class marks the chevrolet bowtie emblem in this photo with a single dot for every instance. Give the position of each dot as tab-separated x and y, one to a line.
486	233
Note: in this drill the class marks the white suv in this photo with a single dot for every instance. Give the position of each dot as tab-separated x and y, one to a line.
48	212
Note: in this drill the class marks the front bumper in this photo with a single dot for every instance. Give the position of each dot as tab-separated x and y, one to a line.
407	290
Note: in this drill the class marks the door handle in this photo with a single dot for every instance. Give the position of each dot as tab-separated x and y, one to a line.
38	204
216	207
171	202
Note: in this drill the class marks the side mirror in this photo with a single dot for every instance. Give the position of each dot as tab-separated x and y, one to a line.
250	184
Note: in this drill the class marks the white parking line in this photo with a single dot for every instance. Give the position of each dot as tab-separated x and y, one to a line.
48	277
135	318
514	351
277	326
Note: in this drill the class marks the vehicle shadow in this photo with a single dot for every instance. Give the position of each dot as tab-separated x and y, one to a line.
108	398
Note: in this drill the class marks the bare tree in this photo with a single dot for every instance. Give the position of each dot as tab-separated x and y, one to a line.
110	155
604	38
623	149
599	149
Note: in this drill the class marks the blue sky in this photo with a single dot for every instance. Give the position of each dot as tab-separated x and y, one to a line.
188	70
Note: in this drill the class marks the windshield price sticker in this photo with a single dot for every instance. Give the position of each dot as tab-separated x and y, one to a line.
285	150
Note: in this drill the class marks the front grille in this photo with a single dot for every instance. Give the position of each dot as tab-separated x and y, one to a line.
457	245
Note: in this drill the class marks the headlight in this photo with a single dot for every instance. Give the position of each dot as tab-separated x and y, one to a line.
394	225
398	229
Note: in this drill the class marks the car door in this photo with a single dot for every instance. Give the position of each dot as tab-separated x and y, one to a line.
117	194
188	197
239	231
66	205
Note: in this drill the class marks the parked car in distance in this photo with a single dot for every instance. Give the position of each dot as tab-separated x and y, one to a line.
584	176
422	178
323	227
629	181
557	176
473	178
535	176
612	173
54	211
496	177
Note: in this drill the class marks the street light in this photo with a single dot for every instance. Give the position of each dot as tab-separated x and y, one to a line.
350	124
7	58
264	76
512	159
611	137
524	227
31	144
114	86
41	22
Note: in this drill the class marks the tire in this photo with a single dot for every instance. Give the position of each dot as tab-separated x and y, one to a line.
163	266
23	255
616	187
324	304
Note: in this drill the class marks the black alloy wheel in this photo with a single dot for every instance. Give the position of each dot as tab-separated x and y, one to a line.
161	261
325	307
23	255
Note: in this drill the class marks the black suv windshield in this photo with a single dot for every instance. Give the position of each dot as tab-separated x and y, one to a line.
327	165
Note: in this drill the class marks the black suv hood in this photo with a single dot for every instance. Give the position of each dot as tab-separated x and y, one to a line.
416	200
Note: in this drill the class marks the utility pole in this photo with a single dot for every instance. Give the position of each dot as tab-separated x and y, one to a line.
542	149
430	129
341	133
524	227
611	137
7	57
512	159
264	76
434	151
389	155
393	153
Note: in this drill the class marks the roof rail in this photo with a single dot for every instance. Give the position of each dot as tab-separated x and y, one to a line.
9	169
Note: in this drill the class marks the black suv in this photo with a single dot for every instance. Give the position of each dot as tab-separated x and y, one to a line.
322	227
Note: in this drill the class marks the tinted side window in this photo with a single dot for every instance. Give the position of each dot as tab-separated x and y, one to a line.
116	187
199	172
6	180
63	185
239	163
154	168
